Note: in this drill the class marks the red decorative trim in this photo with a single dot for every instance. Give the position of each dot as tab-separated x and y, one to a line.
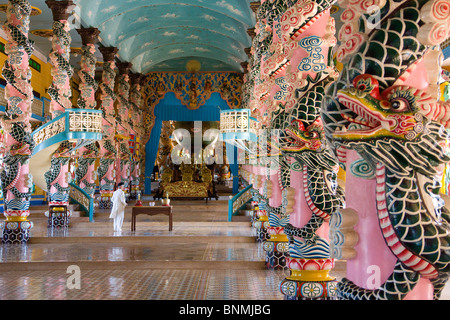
426	269
309	201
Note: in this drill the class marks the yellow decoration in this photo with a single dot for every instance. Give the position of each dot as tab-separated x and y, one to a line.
193	66
107	194
442	88
310	275
16	219
278	238
45	33
186	189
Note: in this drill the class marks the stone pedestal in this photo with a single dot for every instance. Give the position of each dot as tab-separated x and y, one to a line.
277	250
309	280
15	230
58	219
105	200
261	225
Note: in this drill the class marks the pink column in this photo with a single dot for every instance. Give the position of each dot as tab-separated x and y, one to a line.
15	178
86	171
60	91
124	156
276	197
136	121
374	261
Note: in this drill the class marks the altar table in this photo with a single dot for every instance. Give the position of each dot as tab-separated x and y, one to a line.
167	210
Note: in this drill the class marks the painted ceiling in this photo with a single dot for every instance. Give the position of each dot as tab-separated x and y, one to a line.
161	35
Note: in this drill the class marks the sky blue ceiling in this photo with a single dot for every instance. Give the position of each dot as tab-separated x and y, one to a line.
162	35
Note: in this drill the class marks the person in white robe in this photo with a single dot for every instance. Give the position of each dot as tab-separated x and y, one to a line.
118	208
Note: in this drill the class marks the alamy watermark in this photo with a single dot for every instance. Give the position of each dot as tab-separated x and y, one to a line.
374	280
374	18
74	279
74	19
190	147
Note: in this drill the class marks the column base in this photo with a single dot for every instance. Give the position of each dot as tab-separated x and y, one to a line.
308	290
15	231
260	226
105	204
58	215
276	254
133	196
261	234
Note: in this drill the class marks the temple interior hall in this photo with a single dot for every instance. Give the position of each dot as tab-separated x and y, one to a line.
217	150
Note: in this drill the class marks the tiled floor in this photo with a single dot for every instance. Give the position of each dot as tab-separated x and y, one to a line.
204	257
143	285
146	264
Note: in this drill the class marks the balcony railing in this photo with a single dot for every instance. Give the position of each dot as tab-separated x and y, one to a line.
81	126
85	201
74	124
238	201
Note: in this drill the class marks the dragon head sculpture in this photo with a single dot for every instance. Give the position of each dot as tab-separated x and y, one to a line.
307	144
394	113
297	138
401	126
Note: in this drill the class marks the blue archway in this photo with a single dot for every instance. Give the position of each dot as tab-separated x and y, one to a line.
170	108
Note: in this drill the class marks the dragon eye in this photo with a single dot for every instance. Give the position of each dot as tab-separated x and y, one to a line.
362	87
313	134
399	105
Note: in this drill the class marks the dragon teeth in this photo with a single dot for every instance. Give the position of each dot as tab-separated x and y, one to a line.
385	125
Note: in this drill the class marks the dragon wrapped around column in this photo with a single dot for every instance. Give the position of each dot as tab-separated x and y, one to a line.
57	179
294	69
108	96
60	93
85	172
267	77
88	85
123	94
385	107
123	129
108	151
60	89
124	165
136	124
15	178
303	139
105	173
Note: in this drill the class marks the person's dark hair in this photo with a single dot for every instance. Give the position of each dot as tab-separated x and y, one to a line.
120	184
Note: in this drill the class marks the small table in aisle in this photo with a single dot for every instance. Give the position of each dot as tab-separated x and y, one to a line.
167	210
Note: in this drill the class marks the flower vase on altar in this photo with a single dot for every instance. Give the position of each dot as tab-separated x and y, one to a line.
166	201
139	202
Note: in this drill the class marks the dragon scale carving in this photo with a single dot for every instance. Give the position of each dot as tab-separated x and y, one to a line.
15	178
376	109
